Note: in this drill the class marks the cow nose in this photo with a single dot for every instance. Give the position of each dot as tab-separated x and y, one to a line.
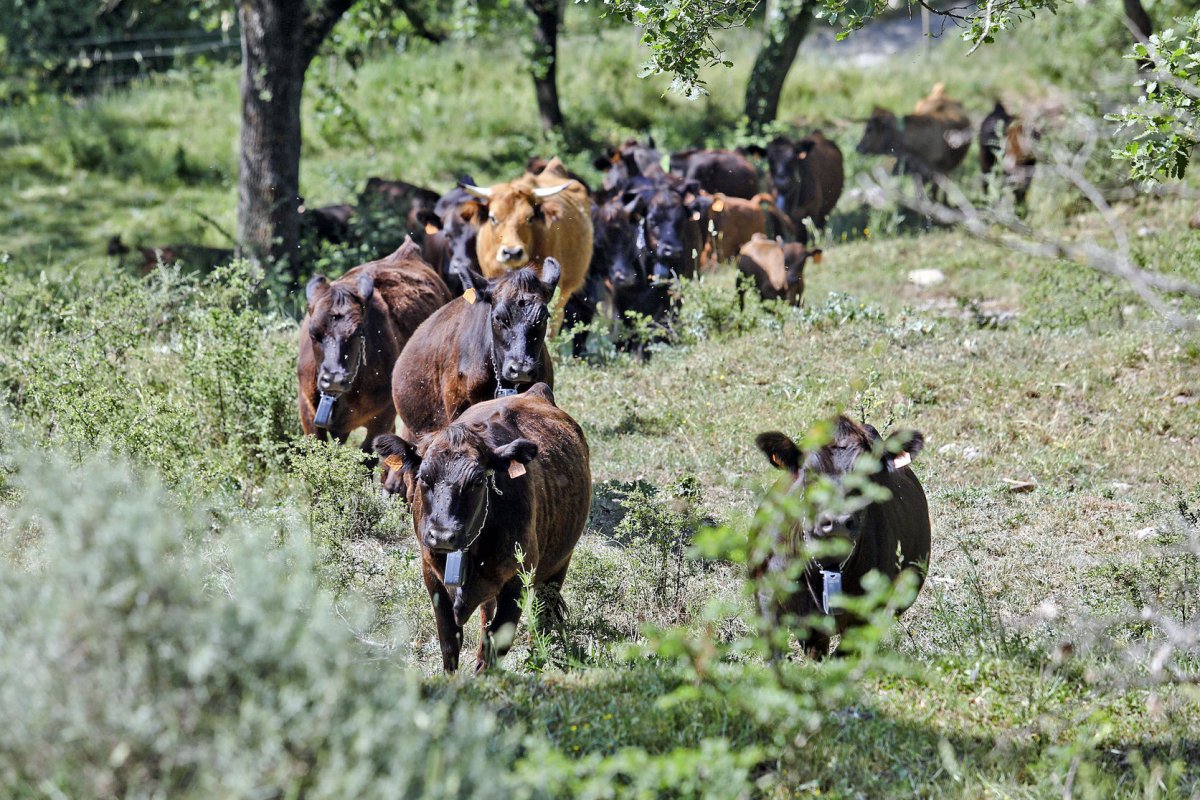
512	253
836	524
440	538
330	381
666	250
518	371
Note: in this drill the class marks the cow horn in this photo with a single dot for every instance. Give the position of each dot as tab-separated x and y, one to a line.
476	191
548	191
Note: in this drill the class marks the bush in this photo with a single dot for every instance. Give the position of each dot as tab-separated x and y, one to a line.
155	651
181	372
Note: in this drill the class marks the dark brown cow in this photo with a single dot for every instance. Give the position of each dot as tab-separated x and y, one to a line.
631	160
452	228
1020	159
776	268
717	171
735	221
407	200
353	333
328	223
482	345
808	178
191	256
991	138
891	536
929	142
509	476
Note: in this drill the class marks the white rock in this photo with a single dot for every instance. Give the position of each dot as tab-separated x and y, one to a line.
972	453
926	277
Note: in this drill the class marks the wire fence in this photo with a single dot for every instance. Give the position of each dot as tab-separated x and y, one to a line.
96	62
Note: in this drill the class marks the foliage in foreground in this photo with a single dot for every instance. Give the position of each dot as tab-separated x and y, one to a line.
150	651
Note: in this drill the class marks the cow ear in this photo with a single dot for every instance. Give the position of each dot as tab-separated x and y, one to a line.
805	146
902	448
780	449
604	163
391	447
316	284
521	451
470	210
429	221
482	286
366	284
755	150
409	249
541	391
551	272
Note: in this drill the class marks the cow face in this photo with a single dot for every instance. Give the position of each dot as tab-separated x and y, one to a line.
337	315
882	134
662	240
782	155
461	229
518	317
614	247
856	450
450	478
513	212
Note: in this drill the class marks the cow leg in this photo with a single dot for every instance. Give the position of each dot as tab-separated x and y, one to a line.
508	612
450	633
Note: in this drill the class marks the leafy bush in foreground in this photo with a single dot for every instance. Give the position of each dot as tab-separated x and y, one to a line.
143	656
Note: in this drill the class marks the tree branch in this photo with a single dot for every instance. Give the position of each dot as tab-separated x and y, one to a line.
319	23
417	21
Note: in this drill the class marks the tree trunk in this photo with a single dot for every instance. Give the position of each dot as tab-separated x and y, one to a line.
544	60
1137	17
787	24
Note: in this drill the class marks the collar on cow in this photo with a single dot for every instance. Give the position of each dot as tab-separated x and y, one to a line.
831	582
489	486
641	236
501	389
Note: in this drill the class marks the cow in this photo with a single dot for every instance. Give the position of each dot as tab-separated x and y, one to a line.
631	160
776	268
807	176
991	138
328	223
668	215
889	536
491	342
614	267
198	258
403	199
535	165
502	492
354	330
717	171
451	231
1020	159
735	221
534	218
925	145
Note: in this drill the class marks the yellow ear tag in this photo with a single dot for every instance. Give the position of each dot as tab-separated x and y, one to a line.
430	228
718	205
775	460
394	463
816	257
469	295
515	469
902	460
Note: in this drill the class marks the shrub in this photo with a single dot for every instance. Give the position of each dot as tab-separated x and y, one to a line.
156	651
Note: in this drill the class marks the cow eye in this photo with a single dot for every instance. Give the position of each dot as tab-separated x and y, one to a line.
529	219
492	219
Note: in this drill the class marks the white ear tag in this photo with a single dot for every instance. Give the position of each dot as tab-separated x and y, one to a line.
515	469
901	460
469	295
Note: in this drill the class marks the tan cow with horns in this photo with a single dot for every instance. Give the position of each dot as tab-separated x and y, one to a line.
533	218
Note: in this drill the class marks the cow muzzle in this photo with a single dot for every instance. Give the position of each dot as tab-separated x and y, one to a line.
333	382
444	540
512	256
840	525
517	370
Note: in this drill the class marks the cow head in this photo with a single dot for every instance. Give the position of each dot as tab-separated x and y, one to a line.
854	449
614	246
882	135
794	257
451	474
513	210
664	213
518	314
337	321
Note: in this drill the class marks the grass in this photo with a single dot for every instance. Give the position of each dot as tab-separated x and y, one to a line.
1018	673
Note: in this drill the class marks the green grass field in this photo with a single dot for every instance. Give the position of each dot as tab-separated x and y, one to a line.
149	424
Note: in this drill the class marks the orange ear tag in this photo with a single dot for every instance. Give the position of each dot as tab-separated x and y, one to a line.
469	295
816	257
515	469
430	228
718	205
902	460
395	463
775	460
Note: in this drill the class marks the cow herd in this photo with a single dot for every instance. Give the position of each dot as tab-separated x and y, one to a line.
449	339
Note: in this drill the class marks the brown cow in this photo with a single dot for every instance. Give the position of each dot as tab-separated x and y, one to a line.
717	171
354	330
924	144
479	346
1020	160
502	491
191	256
534	218
735	221
777	268
890	536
